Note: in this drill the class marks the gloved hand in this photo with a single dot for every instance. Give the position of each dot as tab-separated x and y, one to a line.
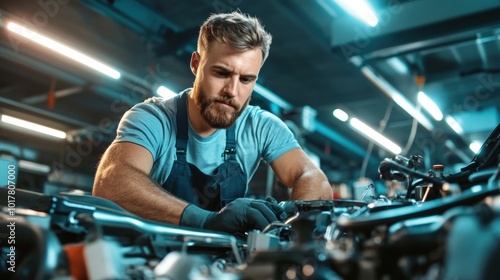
240	215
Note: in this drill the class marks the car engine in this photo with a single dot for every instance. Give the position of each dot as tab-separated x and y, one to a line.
445	227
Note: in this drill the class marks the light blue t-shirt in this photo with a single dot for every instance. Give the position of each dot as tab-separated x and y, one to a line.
152	125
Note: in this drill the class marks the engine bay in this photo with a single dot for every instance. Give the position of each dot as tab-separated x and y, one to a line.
444	227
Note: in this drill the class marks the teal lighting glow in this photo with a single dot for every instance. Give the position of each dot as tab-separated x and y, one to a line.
165	92
62	49
341	115
430	106
375	136
359	9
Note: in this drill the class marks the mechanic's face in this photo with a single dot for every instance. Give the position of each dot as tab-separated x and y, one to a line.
224	82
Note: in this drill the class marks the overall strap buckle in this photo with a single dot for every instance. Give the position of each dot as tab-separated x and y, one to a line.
228	152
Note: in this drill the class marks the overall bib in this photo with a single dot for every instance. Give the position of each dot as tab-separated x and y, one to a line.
186	181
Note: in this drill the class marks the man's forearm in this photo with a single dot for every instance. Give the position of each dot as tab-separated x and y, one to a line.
137	193
312	185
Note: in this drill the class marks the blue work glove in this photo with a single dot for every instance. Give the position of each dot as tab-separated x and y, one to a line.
240	215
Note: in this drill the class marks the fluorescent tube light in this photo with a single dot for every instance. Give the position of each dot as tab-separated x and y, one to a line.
475	147
397	64
341	115
360	9
375	136
34	127
430	106
454	125
62	49
395	95
412	111
34	167
165	92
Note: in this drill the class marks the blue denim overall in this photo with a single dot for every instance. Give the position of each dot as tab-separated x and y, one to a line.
186	181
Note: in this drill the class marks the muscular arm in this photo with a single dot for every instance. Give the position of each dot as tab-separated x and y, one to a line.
123	177
297	171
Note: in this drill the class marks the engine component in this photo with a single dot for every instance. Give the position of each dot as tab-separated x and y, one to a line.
85	237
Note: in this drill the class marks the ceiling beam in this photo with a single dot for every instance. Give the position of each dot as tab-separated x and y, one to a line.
57	94
414	26
42	112
61	74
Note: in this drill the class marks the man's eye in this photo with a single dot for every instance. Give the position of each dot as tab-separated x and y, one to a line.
246	80
221	74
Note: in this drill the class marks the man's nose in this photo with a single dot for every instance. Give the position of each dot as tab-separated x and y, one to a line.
231	87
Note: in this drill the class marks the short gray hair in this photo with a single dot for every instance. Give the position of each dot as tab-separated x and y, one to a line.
240	31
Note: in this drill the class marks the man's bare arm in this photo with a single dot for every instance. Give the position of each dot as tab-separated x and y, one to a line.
123	177
297	171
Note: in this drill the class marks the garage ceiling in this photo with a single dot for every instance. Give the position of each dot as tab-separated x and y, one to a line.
321	58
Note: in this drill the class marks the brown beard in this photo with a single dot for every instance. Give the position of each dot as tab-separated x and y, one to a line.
217	118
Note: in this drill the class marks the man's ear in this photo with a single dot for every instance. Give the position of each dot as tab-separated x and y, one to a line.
195	62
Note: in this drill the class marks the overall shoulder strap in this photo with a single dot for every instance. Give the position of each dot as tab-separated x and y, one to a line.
182	125
230	151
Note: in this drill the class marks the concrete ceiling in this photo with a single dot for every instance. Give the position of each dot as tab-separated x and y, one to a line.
320	57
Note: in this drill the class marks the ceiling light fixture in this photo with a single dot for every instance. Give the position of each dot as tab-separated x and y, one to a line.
34	167
398	65
395	95
475	147
360	9
62	49
430	106
34	127
454	125
341	115
375	136
165	92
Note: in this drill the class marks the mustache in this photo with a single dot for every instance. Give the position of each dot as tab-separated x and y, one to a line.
226	100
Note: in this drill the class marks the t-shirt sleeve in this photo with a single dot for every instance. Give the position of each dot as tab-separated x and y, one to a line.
274	136
144	124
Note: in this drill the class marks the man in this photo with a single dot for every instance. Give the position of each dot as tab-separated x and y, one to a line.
181	160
